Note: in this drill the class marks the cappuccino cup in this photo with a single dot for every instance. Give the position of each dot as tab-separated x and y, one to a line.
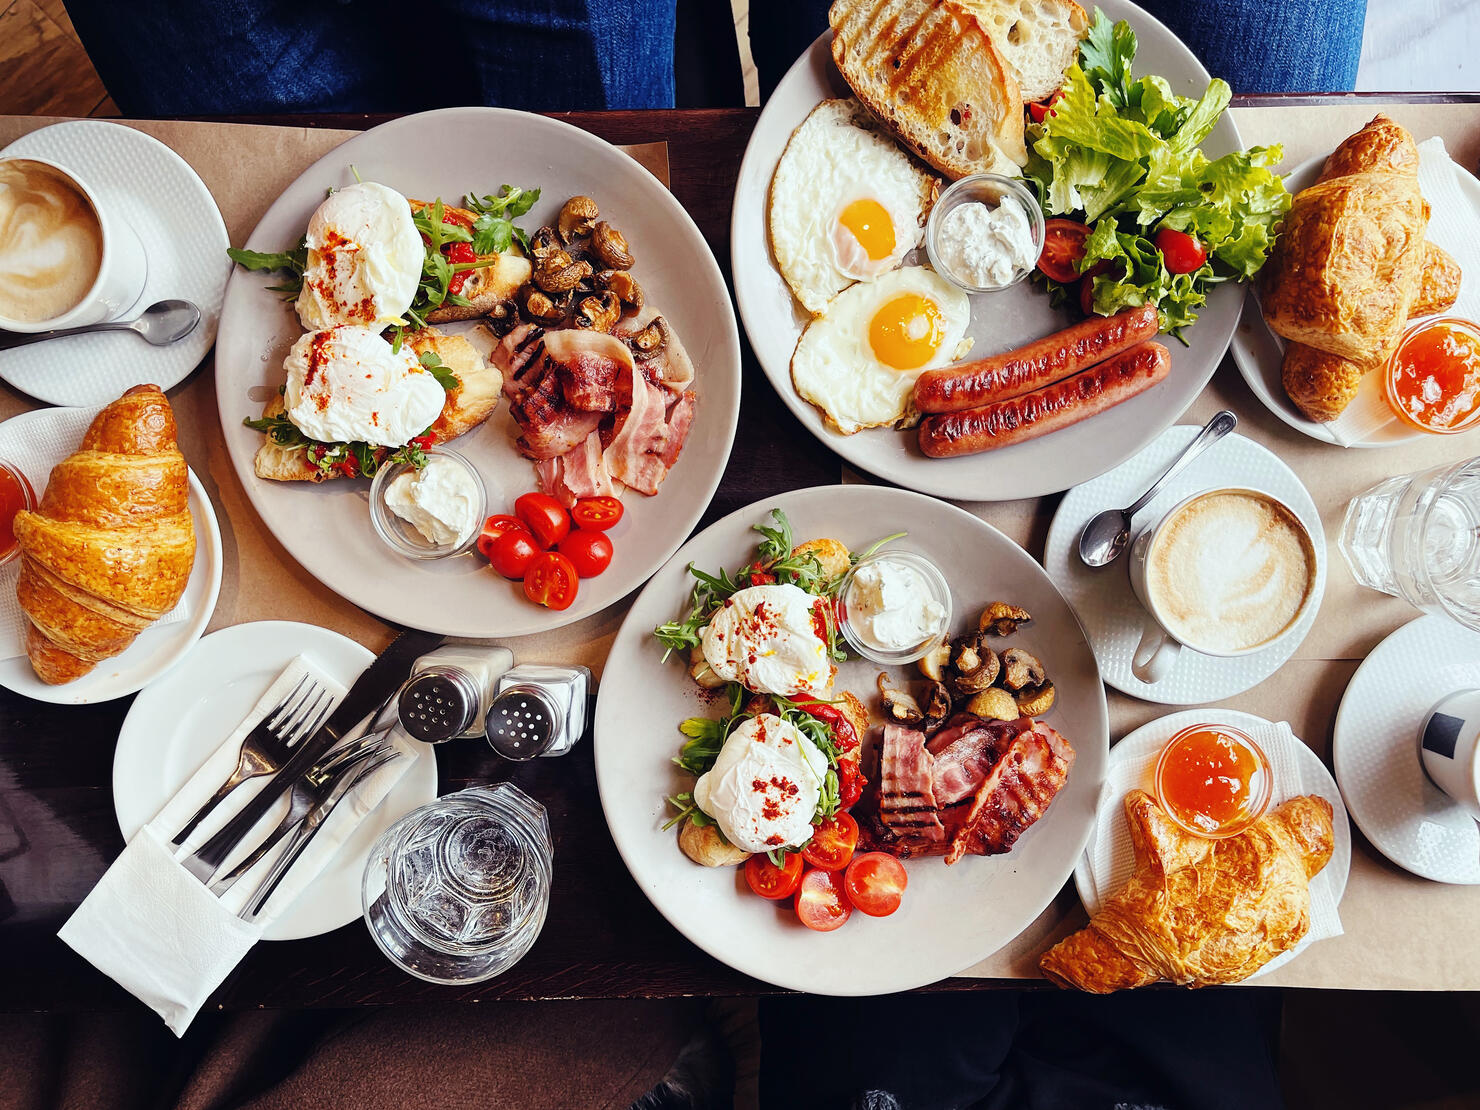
1447	743
66	259
1225	572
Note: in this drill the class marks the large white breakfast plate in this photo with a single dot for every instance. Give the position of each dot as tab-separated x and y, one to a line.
446	153
1000	321
175	725
952	917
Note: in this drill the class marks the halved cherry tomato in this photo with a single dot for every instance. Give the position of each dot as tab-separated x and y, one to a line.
1182	253
545	517
496	526
875	883
591	552
822	903
832	843
1063	247
1039	110
596	513
551	581
850	782
511	552
770	881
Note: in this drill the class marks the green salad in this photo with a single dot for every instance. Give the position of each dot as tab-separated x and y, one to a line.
1116	165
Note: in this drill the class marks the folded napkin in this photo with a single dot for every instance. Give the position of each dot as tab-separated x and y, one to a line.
1133	765
159	932
35	446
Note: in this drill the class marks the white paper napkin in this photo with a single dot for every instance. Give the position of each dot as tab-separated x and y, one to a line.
36	446
1133	765
160	933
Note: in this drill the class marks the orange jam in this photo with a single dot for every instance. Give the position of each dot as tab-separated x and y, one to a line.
15	494
1212	780
1433	378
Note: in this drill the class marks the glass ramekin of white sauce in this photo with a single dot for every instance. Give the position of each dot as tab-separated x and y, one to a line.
985	233
893	607
432	512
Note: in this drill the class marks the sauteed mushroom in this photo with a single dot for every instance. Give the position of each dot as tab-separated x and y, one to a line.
937	705
995	704
576	219
1034	701
599	312
558	273
608	245
1021	669
540	306
650	340
933	662
1002	619
623	284
543	242
899	705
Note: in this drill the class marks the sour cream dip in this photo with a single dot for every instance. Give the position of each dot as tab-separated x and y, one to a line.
891	606
441	501
984	246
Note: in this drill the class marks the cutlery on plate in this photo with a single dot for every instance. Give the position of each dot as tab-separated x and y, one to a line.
162	323
268	746
372	692
1106	536
305	832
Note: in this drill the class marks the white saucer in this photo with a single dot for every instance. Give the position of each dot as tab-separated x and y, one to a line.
1142	747
173	727
1108	609
1375	749
172	211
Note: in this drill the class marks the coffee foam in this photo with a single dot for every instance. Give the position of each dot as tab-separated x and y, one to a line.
51	243
1230	571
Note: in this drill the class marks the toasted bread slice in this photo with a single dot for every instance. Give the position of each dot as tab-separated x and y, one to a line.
929	71
486	287
465	408
1038	39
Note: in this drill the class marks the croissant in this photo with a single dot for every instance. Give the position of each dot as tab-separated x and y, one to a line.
109	549
1197	911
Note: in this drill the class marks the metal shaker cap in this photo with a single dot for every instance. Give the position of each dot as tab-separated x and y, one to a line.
523	722
437	705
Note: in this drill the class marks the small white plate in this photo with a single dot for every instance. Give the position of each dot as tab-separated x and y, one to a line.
174	214
1375	749
175	725
1103	598
1146	742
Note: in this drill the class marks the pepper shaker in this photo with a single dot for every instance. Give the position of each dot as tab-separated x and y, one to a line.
451	690
538	710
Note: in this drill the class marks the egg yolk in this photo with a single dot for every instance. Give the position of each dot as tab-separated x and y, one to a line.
868	221
907	331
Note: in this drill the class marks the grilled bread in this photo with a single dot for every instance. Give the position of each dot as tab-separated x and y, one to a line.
929	71
1039	39
488	286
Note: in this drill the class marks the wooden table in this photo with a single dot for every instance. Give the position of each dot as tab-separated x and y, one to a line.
602	937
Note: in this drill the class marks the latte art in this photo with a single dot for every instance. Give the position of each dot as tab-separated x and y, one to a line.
1230	571
51	243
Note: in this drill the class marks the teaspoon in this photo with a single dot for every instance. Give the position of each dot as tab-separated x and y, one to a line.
161	324
1106	535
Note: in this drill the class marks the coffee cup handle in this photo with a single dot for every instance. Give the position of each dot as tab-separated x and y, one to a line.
1155	655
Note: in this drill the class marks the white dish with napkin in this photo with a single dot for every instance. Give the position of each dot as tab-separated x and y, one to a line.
1454	224
1107	862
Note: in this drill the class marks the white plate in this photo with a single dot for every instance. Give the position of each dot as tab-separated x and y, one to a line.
175	725
1258	352
175	216
1375	749
160	646
1146	742
952	917
327	527
1103	598
1000	321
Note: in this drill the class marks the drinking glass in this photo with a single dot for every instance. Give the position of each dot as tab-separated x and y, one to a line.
1417	537
456	891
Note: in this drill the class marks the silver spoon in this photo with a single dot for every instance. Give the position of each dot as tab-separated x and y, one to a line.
161	324
1105	537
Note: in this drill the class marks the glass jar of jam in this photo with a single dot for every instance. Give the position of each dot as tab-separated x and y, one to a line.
1432	380
15	494
1213	780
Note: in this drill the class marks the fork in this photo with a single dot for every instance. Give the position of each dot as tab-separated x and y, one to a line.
270	743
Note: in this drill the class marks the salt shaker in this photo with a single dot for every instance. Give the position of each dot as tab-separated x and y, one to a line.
538	710
451	691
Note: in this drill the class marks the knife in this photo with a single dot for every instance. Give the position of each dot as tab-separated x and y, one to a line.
376	684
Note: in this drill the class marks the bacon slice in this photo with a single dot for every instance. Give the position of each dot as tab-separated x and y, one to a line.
1014	794
907	805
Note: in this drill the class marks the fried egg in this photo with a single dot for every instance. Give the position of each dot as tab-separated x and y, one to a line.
847	204
764	638
858	362
763	789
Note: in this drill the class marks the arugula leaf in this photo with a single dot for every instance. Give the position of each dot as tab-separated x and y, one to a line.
291	262
440	370
494	228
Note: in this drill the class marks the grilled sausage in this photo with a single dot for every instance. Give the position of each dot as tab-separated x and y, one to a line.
1117	379
1035	365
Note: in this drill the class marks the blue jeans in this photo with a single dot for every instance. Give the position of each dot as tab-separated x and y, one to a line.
225	57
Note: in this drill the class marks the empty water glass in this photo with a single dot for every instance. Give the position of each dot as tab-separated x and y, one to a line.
1418	537
456	891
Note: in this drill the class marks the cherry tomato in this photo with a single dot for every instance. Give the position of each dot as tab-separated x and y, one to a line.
596	514
511	552
543	516
591	552
1063	247
850	782
551	581
1039	110
832	843
770	881
496	526
822	903
1182	253
875	882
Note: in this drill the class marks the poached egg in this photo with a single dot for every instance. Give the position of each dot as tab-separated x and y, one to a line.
763	789
364	258
763	638
346	384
